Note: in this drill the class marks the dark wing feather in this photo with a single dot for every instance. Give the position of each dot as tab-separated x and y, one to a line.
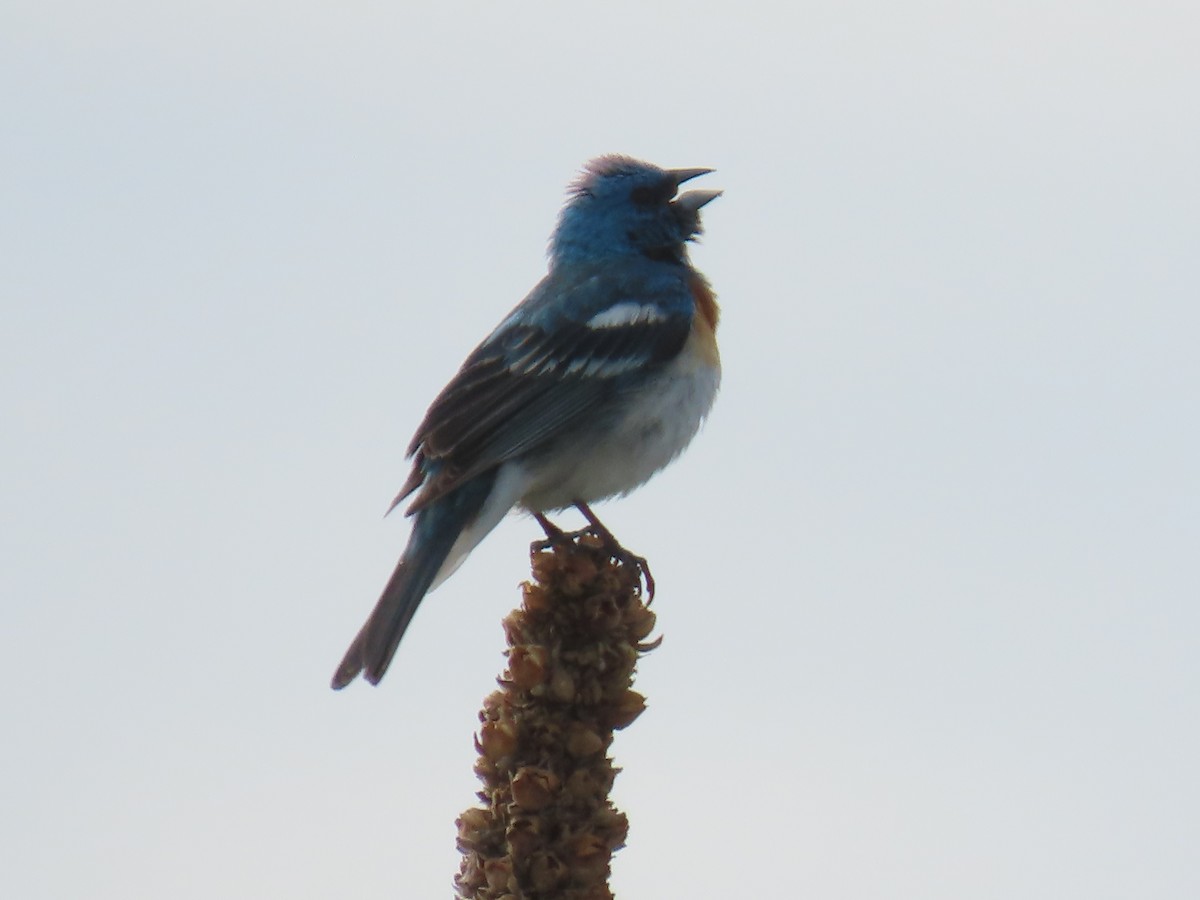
526	384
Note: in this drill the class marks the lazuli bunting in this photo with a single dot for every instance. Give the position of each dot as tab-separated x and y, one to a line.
595	381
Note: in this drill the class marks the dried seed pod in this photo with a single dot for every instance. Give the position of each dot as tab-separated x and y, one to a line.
628	707
583	741
534	789
562	685
497	740
527	666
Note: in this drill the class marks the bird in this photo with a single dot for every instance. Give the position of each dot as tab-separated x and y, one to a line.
594	382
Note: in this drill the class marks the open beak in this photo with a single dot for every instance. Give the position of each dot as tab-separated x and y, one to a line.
691	201
682	175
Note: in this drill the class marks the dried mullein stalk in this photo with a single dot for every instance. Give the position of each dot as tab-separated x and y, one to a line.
547	828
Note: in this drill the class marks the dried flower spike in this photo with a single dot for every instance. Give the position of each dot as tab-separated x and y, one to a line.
547	828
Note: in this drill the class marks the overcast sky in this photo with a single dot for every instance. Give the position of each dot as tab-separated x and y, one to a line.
928	579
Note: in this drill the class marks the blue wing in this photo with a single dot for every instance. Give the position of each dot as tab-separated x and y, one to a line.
572	346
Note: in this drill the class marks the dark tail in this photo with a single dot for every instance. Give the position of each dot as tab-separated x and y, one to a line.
434	532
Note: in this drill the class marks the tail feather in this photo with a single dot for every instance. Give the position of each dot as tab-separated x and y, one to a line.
435	531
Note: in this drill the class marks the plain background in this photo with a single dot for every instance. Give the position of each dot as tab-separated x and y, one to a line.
928	579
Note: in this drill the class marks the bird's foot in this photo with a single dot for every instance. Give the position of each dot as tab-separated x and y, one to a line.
609	543
615	549
555	535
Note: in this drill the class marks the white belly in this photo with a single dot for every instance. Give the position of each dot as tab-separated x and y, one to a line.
660	422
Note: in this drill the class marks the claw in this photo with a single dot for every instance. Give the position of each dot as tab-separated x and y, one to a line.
613	546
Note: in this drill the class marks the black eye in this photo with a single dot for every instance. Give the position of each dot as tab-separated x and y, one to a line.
644	196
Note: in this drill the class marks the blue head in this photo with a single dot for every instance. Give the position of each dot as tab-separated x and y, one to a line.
624	207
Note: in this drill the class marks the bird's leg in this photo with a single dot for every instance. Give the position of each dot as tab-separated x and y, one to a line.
553	532
613	546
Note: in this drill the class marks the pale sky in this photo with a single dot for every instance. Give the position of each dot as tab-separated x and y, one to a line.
928	579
